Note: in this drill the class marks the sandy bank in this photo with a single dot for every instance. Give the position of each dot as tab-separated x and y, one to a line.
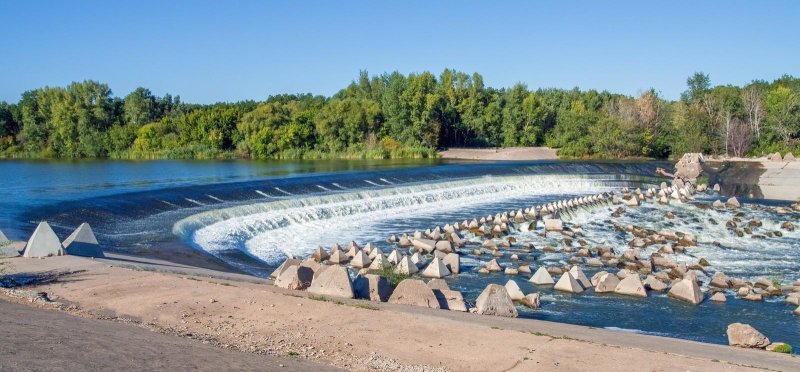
779	180
250	316
511	153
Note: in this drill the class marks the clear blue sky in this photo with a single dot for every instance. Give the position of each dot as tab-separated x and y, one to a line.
209	51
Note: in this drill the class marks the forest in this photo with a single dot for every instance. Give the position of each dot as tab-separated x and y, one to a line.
393	115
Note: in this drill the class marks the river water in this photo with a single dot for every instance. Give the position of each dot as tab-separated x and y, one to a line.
253	215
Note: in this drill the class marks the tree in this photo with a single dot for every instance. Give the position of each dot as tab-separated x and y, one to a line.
783	118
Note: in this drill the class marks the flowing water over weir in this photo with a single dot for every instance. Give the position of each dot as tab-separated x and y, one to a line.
256	223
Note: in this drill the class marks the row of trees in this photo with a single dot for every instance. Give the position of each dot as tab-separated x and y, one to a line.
396	115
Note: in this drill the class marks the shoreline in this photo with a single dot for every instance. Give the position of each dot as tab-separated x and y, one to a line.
499	154
246	314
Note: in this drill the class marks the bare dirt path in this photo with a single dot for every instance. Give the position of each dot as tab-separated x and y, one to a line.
33	339
509	153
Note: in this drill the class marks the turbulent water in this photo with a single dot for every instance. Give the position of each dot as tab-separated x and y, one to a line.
254	216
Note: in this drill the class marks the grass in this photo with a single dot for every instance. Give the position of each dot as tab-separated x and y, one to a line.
786	349
392	276
293	354
365	306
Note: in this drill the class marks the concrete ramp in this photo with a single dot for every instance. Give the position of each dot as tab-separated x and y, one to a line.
82	242
43	243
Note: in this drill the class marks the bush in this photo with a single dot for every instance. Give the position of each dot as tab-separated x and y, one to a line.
785	348
390	275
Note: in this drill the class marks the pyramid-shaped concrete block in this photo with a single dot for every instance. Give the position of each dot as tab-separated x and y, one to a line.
513	291
360	260
567	283
414	292
631	286
3	239
405	266
606	283
379	262
338	257
436	269
542	277
453	262
82	242
332	281
320	254
394	257
578	274
687	290
494	300
285	265
372	287
43	243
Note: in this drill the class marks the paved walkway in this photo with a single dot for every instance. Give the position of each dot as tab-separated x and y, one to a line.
33	339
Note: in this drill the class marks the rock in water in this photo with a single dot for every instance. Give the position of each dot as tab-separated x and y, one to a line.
607	283
733	203
493	266
450	300
425	245
513	291
372	287
295	277
82	242
43	243
542	277
654	284
744	335
436	269
578	274
686	290
532	300
494	300
631	286
567	283
414	292
718	297
333	281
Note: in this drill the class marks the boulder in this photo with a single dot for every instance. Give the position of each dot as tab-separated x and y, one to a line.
718	204
450	300
82	242
567	283
607	283
360	260
532	300
631	286
686	290
285	265
453	262
406	266
295	277
332	281
718	297
513	291
720	280
733	203
372	287
436	269
414	292
654	284
594	262
43	243
494	300
542	277
744	335
578	274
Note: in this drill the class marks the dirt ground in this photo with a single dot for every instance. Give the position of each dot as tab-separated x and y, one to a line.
255	317
510	153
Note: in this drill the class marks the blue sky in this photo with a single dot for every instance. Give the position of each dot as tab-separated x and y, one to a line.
208	51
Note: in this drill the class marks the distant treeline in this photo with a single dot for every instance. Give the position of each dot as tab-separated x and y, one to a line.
396	115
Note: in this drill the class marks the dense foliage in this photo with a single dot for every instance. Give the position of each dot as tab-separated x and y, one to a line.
396	115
